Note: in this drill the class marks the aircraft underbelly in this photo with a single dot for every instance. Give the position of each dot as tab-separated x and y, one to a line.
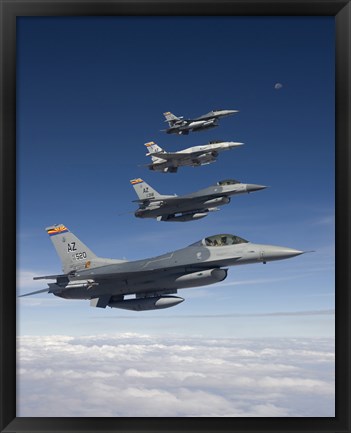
81	293
168	282
185	206
177	162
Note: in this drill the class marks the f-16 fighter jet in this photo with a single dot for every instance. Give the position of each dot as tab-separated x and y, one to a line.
179	125
188	207
168	162
153	281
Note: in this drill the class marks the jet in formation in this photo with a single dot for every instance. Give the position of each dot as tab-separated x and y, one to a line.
188	207
153	281
168	162
181	126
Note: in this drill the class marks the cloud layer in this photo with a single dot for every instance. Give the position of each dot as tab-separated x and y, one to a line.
139	375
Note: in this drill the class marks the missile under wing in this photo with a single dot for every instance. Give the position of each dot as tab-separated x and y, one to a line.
153	281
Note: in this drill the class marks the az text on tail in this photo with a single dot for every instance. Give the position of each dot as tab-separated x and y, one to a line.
73	253
143	190
74	256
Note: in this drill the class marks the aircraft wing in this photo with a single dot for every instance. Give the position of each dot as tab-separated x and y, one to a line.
168	200
146	274
178	156
105	272
206	117
175	200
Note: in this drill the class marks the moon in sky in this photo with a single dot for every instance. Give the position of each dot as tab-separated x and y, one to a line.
278	86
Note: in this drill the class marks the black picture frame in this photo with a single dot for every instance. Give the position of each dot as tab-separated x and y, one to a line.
10	10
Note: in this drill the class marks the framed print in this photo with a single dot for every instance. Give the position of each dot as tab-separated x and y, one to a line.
132	133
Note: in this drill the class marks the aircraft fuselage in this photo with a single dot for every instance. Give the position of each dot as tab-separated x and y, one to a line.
193	266
202	200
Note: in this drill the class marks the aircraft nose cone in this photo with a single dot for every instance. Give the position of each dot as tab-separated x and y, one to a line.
286	253
252	187
280	253
234	144
229	112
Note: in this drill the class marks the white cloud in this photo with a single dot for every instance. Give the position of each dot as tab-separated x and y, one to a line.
139	375
25	280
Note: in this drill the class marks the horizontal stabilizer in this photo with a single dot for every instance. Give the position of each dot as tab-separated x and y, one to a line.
50	277
35	293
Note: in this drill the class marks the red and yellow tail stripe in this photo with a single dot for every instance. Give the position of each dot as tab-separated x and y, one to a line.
135	181
52	231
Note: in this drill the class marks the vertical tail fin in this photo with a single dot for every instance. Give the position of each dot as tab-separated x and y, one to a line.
152	147
171	118
143	190
73	253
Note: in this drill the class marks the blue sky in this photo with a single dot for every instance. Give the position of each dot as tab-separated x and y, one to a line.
90	93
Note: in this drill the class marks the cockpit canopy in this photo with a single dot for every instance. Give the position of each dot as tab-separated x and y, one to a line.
221	240
228	182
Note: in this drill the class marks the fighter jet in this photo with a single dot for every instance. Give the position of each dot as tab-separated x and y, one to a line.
179	125
153	281
168	162
188	207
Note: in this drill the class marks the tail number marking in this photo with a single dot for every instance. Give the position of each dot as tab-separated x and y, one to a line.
80	256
